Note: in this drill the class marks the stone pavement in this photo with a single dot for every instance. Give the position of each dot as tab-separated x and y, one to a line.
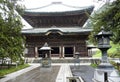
36	74
18	73
64	72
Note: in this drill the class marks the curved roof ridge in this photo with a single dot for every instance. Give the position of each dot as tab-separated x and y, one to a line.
58	3
39	7
76	6
60	31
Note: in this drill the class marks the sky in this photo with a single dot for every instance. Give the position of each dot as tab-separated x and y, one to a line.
31	4
39	3
79	3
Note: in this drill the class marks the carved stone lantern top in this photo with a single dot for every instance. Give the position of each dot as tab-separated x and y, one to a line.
45	47
103	38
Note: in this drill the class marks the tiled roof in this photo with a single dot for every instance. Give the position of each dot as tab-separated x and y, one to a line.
62	30
71	11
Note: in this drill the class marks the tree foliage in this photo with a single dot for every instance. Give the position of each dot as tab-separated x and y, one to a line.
11	39
109	17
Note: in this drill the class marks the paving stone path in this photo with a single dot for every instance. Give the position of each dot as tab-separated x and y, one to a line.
84	71
38	74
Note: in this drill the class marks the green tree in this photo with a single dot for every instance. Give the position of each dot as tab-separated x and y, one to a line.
11	39
109	17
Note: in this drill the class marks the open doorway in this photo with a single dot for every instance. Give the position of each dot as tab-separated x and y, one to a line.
55	51
39	52
68	51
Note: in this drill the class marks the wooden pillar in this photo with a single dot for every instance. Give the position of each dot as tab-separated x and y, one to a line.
60	52
89	51
50	54
74	51
36	52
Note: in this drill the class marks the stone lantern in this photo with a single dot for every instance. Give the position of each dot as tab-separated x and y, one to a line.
104	70
103	39
77	55
77	60
46	60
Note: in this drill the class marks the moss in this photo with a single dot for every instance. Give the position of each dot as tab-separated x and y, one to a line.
12	69
94	65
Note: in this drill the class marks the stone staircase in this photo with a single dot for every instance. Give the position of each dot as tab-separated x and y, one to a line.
67	60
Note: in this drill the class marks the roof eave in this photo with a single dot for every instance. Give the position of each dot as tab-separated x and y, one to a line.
75	12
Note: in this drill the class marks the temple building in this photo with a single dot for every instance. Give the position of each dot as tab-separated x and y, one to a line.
60	26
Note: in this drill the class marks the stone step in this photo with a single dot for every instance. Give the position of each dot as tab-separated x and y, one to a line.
69	60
